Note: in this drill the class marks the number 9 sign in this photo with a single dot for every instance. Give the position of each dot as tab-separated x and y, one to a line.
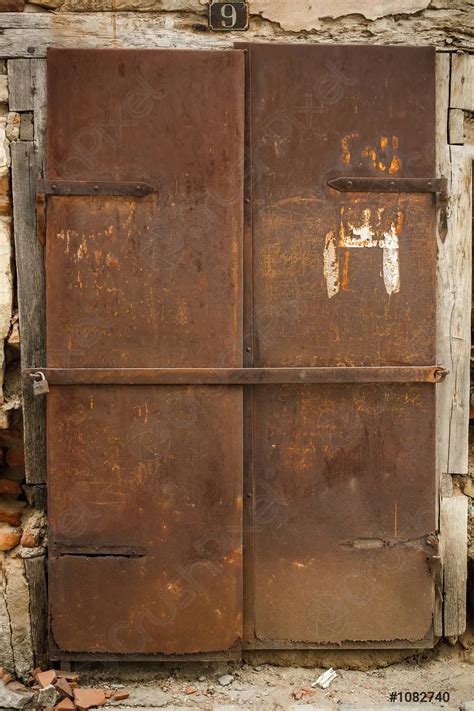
228	16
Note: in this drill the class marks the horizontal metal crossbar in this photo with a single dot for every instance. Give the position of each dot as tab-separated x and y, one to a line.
239	376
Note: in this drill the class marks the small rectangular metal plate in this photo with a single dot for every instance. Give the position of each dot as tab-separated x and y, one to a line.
228	16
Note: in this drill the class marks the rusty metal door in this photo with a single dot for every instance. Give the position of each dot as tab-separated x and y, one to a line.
143	261
240	365
343	262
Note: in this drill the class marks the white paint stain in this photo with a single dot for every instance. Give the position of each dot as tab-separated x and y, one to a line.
368	233
391	261
331	266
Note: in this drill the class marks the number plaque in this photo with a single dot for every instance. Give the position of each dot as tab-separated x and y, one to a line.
228	16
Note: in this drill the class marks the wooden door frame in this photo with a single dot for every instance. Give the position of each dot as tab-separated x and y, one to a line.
27	82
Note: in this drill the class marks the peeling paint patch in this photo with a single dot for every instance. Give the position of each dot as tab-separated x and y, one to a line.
331	265
307	14
391	261
374	228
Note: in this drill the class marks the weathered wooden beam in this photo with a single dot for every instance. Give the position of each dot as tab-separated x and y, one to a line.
469	130
35	569
453	540
31	301
454	238
29	34
456	126
20	96
462	82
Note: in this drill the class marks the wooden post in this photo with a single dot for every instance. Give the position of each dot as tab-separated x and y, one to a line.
454	554
27	93
454	238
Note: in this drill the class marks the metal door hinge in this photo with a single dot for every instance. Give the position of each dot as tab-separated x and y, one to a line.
391	185
95	187
83	187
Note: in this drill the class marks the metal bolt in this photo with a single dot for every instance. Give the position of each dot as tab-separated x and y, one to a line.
248	349
96	187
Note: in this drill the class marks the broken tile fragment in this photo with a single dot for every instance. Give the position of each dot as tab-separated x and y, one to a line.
121	695
69	676
46	678
65	705
64	687
87	698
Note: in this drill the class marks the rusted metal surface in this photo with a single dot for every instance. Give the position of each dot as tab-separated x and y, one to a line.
238	376
389	185
145	283
345	505
341	279
342	476
313	320
153	282
151	468
91	187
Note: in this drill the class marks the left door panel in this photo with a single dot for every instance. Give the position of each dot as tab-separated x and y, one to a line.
145	481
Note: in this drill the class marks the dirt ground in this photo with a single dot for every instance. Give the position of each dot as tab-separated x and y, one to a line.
265	687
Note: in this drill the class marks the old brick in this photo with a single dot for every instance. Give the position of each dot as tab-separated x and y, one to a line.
30	538
12	5
10	488
15	458
11	511
65	705
5	195
46	678
14	336
8	538
87	698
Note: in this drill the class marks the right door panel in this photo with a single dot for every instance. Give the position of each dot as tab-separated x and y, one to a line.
344	475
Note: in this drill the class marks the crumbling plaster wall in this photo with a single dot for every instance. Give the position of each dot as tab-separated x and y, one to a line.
447	24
